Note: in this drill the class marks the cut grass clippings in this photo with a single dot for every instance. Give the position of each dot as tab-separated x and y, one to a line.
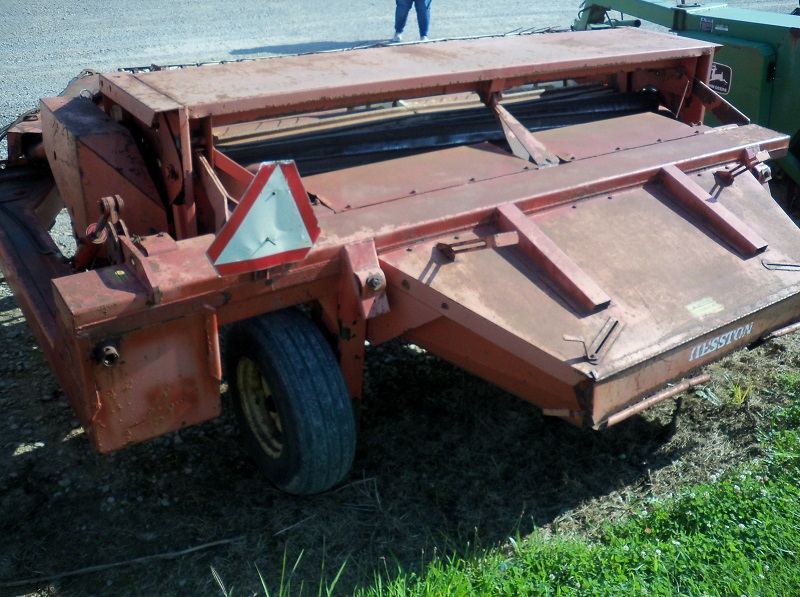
736	535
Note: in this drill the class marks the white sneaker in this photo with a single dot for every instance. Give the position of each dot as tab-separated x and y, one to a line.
423	38
398	37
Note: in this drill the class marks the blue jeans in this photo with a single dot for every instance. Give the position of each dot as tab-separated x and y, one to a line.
423	15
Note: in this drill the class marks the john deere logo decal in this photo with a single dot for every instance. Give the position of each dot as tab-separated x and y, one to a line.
721	76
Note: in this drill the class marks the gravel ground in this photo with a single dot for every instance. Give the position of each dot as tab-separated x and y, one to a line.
444	459
46	43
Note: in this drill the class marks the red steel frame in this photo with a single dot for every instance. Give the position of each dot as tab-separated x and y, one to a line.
390	260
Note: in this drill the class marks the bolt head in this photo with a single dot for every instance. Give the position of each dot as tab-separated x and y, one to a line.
374	282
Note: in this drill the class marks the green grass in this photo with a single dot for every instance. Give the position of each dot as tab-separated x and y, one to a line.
285	588
738	534
735	535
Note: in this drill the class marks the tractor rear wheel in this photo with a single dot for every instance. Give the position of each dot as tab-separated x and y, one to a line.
290	398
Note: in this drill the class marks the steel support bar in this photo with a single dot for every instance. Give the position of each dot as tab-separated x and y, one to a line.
212	343
367	283
695	199
654	399
723	110
573	284
785	331
362	296
235	178
522	142
215	192
185	213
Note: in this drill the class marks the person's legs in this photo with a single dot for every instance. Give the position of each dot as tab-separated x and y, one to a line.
400	15
423	15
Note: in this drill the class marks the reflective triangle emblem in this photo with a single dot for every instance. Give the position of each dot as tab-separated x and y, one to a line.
273	224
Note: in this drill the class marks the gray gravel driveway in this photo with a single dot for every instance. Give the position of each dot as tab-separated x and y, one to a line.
45	43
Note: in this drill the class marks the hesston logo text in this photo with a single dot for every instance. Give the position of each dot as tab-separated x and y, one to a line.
720	341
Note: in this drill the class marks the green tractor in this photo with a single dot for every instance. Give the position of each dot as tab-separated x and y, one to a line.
757	69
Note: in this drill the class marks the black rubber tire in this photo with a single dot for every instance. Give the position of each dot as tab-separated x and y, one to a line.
293	407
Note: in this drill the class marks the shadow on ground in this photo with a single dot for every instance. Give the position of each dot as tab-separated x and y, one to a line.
306	48
445	462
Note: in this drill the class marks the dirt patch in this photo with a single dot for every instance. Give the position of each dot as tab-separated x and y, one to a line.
445	462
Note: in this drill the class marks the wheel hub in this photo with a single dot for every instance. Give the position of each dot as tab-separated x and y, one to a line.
259	407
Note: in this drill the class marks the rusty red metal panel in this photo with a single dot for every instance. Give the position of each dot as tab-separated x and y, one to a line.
302	83
655	261
455	206
405	315
353	188
507	370
497	295
27	125
671	282
91	157
138	98
163	378
613	135
676	315
27	253
617	396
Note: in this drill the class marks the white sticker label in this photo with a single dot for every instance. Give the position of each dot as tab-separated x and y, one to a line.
703	307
